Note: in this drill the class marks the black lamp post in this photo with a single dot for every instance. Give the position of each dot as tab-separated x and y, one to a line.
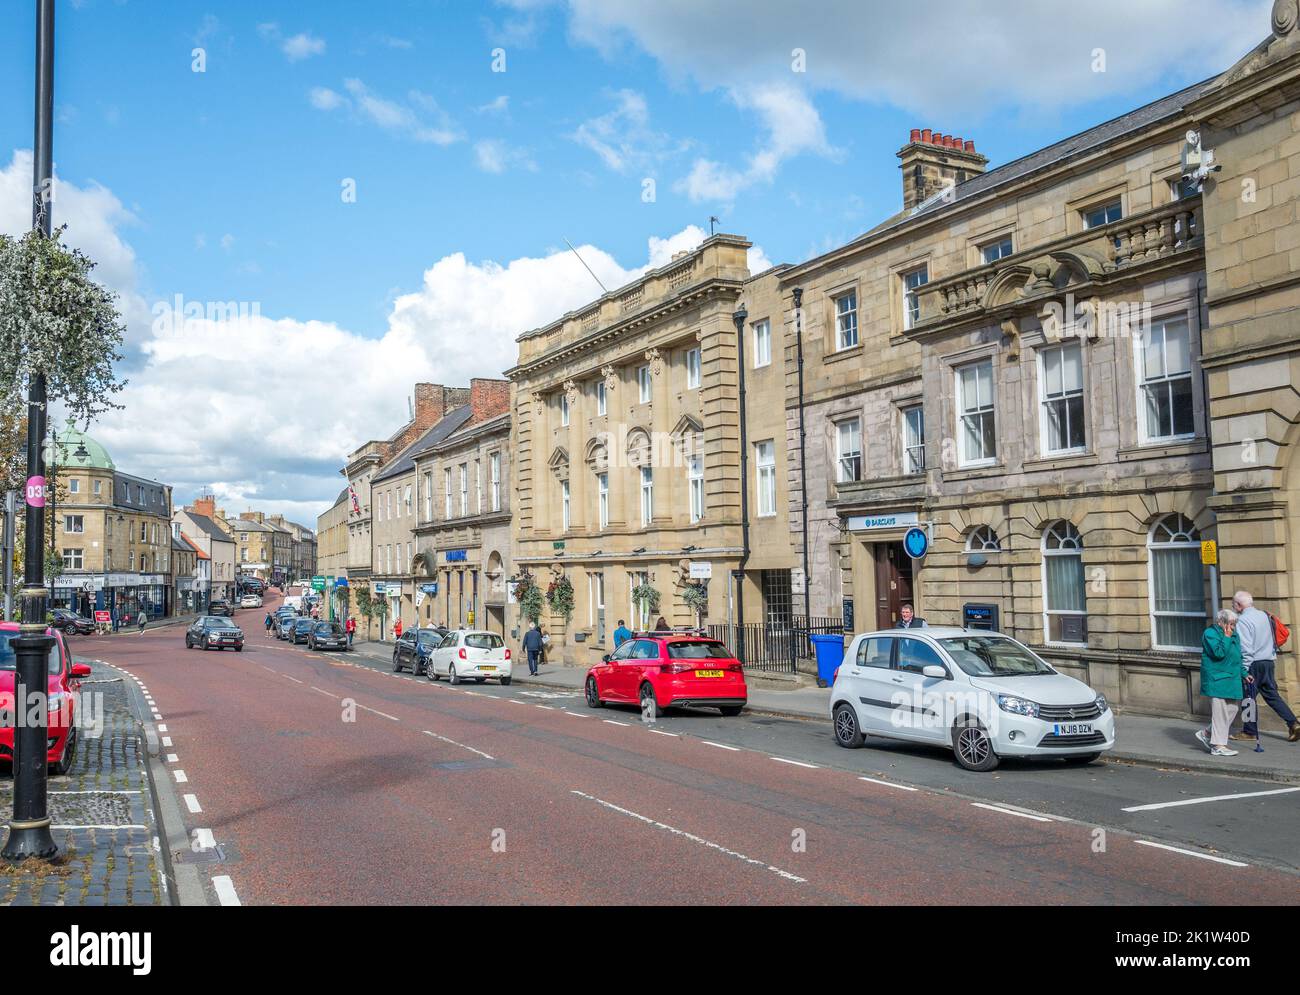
29	829
739	317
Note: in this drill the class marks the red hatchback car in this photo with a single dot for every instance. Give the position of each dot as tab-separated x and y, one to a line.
658	670
64	678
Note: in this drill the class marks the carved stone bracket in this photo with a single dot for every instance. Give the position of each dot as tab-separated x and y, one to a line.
611	377
571	391
655	360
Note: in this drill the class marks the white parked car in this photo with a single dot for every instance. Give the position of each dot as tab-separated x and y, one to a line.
470	654
982	694
250	601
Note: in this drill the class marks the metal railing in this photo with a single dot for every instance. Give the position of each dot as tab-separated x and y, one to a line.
775	647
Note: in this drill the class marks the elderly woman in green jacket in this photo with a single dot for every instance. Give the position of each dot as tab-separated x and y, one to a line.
1221	681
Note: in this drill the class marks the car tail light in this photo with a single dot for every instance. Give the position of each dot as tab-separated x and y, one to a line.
677	668
835	676
735	667
462	654
507	654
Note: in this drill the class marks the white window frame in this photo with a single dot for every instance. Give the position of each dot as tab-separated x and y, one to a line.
765	477
911	297
841	454
637	612
979	411
983	539
428	495
762	343
1139	370
602	402
74	559
1103	206
846	321
74	524
74	485
564	409
464	489
446	492
494	461
1045	400
695	486
564	504
602	498
911	443
644	383
406	501
1192	542
1070	543
647	496
693	368
997	244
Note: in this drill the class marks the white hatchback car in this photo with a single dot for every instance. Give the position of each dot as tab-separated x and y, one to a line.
982	694
470	654
250	601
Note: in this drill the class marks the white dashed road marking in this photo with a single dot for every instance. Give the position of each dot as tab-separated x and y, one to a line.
180	776
203	840
887	784
461	745
796	763
1211	798
1191	853
225	889
1012	811
722	746
192	803
378	712
613	723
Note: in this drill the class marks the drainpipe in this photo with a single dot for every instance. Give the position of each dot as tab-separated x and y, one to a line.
739	317
797	293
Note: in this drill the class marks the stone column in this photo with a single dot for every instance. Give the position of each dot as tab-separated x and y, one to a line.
661	451
616	449
540	469
580	515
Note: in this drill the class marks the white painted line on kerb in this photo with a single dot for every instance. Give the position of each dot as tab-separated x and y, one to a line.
887	784
225	889
172	758
322	691
1012	811
576	715
722	746
796	763
167	741
516	701
471	749
192	803
378	712
549	708
660	732
180	776
613	723
1191	853
131	825
294	679
203	840
692	837
1211	798
162	728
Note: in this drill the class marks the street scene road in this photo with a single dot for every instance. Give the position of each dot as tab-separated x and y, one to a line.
325	778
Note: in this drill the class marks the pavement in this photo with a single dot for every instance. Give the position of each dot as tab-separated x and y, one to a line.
1155	741
103	811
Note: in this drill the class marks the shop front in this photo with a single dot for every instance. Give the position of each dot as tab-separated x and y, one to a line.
126	595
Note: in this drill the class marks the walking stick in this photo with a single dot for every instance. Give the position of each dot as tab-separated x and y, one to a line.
1254	707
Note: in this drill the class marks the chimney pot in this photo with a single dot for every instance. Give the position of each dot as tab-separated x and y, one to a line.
927	136
916	135
951	142
970	146
958	143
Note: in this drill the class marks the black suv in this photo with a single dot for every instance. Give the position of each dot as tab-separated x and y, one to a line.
221	607
209	631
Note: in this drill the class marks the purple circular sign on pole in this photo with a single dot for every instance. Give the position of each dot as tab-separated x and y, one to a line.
36	492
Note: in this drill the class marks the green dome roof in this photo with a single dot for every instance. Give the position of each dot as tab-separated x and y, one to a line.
74	448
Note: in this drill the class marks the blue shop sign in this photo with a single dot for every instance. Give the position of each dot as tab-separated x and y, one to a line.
916	542
455	556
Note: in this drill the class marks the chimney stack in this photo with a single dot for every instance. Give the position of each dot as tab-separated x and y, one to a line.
931	161
206	506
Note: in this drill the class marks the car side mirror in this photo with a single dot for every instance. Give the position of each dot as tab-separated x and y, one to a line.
80	670
934	670
605	658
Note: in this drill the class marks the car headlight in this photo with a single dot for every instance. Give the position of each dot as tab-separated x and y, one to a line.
1020	706
1101	703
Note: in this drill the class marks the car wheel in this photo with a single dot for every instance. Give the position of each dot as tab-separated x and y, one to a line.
397	664
847	732
452	676
730	711
64	763
650	709
505	682
189	643
1079	759
593	694
972	746
203	645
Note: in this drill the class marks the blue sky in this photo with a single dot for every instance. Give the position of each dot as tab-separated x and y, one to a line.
225	185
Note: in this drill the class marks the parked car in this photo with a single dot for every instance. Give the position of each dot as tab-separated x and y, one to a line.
67	621
981	694
64	679
660	670
412	651
470	654
250	601
284	625
327	636
220	606
209	631
301	629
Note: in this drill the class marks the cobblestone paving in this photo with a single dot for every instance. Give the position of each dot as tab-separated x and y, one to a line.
102	813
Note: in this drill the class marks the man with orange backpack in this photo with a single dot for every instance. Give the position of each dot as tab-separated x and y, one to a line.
1258	632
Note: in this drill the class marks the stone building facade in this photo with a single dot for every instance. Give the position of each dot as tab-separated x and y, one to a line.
1056	368
627	438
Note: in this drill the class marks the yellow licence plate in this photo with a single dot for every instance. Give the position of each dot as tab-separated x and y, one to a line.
487	668
709	673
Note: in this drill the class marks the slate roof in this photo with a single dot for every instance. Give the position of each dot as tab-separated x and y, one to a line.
449	422
206	525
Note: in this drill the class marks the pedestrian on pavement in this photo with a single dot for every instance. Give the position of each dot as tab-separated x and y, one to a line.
662	625
1221	677
351	628
622	634
397	629
267	621
907	619
141	620
533	647
1259	657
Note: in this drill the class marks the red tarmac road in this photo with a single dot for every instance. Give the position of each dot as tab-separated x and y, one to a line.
440	795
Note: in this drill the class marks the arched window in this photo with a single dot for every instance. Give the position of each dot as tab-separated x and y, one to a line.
1178	602
982	539
1065	612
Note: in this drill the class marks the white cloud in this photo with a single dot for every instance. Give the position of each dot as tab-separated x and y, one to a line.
495	156
498	106
420	119
623	138
211	402
793	127
960	60
303	46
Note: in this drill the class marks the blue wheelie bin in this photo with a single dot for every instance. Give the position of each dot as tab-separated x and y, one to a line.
829	648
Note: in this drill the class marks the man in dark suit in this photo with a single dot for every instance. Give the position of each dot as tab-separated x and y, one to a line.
908	620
